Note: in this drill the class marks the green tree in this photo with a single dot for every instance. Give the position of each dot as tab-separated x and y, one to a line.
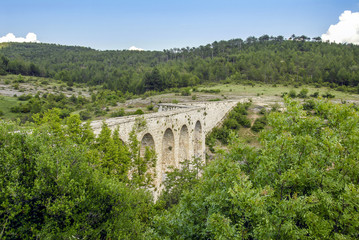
154	81
50	191
142	166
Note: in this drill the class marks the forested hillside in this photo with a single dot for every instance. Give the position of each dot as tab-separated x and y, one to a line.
265	59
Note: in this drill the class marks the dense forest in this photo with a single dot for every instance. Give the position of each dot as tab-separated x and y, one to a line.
265	59
59	181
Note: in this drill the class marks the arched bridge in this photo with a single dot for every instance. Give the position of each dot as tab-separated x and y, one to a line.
175	132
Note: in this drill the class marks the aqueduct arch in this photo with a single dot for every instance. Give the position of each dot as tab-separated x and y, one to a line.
168	150
183	150
147	142
197	138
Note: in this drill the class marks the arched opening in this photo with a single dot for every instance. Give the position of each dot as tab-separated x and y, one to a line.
148	155
198	139
183	144
168	144
146	142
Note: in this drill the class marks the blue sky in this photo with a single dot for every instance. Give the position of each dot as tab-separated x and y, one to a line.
159	24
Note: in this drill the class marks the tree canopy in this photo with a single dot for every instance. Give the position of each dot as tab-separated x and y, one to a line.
265	59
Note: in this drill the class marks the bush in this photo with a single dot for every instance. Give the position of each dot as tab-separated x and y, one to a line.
222	134
263	111
328	95
44	82
309	105
150	107
186	92
118	113
244	121
231	123
292	93
259	124
100	112
315	95
303	93
138	112
65	112
85	115
24	97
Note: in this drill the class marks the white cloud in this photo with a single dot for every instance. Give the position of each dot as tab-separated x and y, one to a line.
10	37
346	30
133	48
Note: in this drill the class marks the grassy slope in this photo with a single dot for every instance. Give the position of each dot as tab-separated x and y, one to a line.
270	90
6	103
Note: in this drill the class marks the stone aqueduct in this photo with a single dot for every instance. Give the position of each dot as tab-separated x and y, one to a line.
175	132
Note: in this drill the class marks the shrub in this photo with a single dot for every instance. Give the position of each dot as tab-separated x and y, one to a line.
315	95
99	112
259	124
44	82
211	90
231	123
85	115
275	107
222	134
303	93
328	95
150	107
138	112
214	100
309	105
262	111
186	92
292	93
24	97
118	113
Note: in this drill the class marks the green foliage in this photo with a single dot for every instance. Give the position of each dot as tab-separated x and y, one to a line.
292	93
118	113
259	124
24	97
139	112
236	118
211	90
142	165
150	107
302	183
315	95
328	95
85	115
50	190
309	105
249	61
303	93
179	180
186	92
113	154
